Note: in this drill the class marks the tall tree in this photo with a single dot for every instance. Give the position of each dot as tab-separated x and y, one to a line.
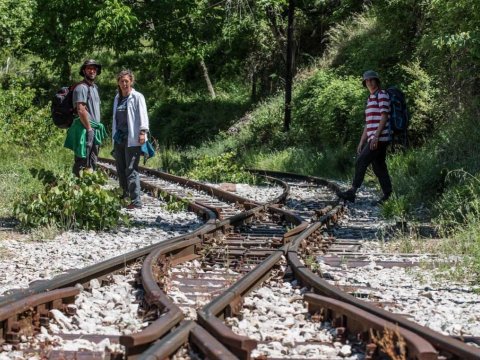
71	29
15	18
188	30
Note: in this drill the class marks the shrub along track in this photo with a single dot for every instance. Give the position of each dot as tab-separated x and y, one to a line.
254	241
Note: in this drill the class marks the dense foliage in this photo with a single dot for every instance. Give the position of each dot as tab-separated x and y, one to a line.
70	202
219	169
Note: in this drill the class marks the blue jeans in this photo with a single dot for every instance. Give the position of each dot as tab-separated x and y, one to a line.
127	160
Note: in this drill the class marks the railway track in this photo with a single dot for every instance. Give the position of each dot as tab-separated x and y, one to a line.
193	287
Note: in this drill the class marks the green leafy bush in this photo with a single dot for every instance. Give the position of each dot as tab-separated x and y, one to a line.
265	127
173	205
460	203
25	124
221	168
329	110
68	202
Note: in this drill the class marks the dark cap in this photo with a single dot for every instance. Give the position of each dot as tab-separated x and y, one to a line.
370	74
90	62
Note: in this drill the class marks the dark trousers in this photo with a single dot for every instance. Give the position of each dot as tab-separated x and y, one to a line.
127	160
377	159
87	162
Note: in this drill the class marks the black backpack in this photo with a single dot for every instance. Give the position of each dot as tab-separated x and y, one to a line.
62	106
399	117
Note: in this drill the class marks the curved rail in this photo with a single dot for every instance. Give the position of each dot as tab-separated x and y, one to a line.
211	336
170	313
441	342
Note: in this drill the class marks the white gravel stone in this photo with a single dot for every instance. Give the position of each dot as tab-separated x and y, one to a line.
422	294
29	261
276	314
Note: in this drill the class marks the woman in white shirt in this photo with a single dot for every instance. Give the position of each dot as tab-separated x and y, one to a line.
130	130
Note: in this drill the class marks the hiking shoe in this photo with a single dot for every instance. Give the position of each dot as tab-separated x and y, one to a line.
348	195
132	206
382	200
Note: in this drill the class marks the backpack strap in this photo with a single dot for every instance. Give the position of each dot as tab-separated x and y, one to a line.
389	120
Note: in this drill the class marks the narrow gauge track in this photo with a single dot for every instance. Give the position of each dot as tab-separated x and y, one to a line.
23	311
341	308
220	341
333	246
227	344
223	203
230	303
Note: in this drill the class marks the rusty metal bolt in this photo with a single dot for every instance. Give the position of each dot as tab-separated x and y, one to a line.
370	350
12	337
69	309
341	334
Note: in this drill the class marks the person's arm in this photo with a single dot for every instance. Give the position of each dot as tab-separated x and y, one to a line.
80	98
142	106
381	126
83	114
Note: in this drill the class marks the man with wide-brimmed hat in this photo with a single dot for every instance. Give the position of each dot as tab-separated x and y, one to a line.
372	148
86	102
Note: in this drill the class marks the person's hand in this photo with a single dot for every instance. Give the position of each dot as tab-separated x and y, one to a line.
90	137
141	138
359	148
374	143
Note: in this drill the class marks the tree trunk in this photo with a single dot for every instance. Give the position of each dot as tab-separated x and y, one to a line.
290	65
253	95
66	71
7	65
211	90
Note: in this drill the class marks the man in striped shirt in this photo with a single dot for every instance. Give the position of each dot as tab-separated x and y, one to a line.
372	148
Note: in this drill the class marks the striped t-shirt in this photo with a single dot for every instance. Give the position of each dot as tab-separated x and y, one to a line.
377	104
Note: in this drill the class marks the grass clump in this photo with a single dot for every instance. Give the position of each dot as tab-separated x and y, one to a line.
221	168
68	202
174	205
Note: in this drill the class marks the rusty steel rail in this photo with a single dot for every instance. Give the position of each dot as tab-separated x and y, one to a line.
88	273
230	301
452	348
362	321
211	190
179	249
37	306
154	296
187	332
229	304
320	181
175	253
170	343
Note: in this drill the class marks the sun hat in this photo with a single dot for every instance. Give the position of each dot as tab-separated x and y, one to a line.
90	62
370	74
